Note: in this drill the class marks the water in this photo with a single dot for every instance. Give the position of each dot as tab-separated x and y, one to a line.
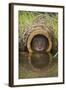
37	65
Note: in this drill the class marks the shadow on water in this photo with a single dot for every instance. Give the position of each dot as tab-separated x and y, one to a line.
37	65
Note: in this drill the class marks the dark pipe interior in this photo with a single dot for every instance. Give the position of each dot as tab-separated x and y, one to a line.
39	43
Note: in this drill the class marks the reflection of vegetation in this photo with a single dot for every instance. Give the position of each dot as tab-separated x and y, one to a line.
37	65
27	18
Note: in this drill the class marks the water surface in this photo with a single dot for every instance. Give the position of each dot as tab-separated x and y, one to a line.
37	65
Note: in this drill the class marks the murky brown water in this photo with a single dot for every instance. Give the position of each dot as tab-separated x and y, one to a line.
37	65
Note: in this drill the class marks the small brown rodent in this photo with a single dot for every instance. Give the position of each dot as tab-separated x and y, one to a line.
39	43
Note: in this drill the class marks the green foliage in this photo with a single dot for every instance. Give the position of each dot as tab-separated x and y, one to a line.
28	17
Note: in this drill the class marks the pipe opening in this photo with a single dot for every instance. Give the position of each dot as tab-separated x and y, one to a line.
39	43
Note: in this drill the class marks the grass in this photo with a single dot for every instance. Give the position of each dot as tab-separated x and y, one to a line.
27	18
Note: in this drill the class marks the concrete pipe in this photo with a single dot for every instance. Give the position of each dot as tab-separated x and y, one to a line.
39	40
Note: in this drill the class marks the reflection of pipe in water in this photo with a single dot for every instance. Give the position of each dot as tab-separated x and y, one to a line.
40	61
